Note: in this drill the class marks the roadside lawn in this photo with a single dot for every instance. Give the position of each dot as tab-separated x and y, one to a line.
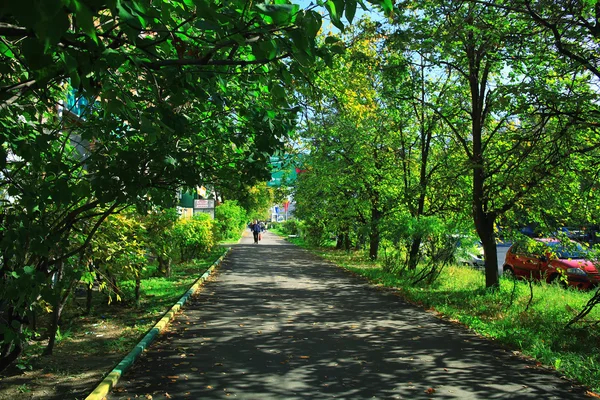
89	346
528	318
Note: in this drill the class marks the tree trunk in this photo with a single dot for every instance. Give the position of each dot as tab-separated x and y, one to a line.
138	283
339	243
413	257
484	218
58	307
164	266
88	302
53	329
9	355
347	243
374	236
10	352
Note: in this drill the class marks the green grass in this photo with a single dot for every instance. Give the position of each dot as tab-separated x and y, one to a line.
538	331
80	333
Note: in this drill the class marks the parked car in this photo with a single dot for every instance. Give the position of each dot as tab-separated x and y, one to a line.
548	259
470	254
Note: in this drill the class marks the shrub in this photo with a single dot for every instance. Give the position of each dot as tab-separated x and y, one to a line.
290	227
159	236
230	218
194	236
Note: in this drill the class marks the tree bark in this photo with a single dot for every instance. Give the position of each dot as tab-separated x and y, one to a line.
59	305
164	266
138	283
374	236
88	302
414	253
11	352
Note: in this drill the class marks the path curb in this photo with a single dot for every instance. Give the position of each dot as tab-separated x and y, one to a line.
113	377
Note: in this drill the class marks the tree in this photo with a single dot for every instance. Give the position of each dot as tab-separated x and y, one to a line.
518	108
431	173
159	226
180	93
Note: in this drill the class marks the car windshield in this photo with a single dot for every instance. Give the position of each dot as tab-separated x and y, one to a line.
573	251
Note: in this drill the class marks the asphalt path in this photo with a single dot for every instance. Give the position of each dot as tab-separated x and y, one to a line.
279	323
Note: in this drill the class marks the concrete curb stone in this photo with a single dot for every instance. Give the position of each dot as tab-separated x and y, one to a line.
113	377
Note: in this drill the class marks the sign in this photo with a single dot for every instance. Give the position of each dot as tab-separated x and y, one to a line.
199	203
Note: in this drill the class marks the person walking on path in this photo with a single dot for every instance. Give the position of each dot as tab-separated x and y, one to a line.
255	228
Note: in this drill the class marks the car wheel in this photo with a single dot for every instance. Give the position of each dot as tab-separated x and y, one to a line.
509	273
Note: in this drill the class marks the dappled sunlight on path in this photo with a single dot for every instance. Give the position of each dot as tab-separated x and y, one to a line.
280	323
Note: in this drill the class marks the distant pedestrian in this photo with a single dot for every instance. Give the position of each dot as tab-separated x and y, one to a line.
255	228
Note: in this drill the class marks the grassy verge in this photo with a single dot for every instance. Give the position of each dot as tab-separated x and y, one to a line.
90	345
157	295
533	325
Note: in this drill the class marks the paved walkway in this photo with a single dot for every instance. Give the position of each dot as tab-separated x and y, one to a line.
279	323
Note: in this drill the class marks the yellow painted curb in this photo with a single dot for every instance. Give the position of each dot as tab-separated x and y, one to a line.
113	377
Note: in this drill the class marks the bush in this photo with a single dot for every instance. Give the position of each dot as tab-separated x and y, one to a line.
159	237
290	227
230	219
194	236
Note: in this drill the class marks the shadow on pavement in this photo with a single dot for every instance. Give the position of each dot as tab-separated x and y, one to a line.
279	323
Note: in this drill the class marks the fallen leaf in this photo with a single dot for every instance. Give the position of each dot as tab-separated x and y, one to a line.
167	395
305	357
430	391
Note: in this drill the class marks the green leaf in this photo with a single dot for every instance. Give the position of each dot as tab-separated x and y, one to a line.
350	10
278	92
28	269
338	49
85	20
51	30
332	39
312	23
281	13
388	7
33	51
335	13
6	51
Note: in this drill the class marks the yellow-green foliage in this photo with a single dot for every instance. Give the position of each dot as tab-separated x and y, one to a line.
230	219
194	236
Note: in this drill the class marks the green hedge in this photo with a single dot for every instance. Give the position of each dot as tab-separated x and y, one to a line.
194	236
230	219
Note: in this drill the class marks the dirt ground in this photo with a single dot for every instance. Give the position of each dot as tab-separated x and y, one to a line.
73	370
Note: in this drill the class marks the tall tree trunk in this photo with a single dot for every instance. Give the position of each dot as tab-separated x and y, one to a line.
484	218
164	266
10	352
138	283
413	257
426	133
374	236
88	301
90	293
58	307
339	243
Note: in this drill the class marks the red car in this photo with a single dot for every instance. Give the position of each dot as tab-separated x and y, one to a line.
547	259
